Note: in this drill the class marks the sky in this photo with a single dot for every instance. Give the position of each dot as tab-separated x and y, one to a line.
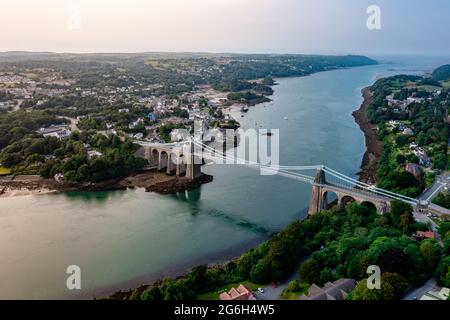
247	26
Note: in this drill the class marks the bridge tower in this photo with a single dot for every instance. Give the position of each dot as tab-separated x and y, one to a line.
193	167
316	203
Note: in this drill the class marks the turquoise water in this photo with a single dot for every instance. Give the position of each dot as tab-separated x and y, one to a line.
122	239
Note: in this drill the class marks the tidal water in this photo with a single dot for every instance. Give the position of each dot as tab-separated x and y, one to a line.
125	238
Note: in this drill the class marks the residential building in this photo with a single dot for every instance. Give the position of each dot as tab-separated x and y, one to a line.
59	132
414	169
443	294
408	132
337	290
424	235
240	293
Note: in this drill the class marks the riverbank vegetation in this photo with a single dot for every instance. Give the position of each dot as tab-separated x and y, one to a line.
411	115
337	243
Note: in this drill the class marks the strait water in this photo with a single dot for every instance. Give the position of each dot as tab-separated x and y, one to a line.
126	238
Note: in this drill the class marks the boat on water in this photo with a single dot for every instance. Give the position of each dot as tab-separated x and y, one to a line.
244	109
285	118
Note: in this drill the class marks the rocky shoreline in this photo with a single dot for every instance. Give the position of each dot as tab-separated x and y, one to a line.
151	181
374	146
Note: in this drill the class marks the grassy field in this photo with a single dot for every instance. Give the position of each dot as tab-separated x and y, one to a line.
4	171
215	294
446	84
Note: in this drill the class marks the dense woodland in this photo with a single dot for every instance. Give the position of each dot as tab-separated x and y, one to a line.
327	246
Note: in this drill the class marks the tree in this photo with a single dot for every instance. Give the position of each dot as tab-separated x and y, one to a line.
362	292
431	252
398	283
401	159
178	290
406	220
310	271
245	264
294	286
325	276
442	273
357	266
152	293
197	278
396	261
260	273
399	208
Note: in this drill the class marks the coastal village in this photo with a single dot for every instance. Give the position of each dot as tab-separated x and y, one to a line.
145	115
128	112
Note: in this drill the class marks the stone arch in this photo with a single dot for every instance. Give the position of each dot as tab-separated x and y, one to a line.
345	200
163	160
369	205
154	160
329	199
181	165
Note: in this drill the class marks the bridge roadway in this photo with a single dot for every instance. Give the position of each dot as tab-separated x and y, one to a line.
170	157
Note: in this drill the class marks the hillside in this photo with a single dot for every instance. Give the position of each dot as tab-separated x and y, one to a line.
442	73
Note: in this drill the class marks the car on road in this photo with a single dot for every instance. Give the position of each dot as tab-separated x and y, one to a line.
261	290
274	284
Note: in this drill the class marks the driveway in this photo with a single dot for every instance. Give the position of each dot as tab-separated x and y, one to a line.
417	293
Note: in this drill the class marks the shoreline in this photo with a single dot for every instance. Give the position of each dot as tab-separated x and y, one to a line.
374	147
151	181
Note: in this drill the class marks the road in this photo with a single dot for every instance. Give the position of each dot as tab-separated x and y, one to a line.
442	181
271	293
417	293
73	123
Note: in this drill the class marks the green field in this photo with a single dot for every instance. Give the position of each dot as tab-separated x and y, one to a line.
4	171
215	294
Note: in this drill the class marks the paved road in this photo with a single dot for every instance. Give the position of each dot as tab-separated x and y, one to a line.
442	181
271	293
417	293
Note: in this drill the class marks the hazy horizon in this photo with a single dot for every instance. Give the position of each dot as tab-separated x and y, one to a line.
410	27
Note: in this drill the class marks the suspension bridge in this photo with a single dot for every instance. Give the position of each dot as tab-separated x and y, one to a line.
329	187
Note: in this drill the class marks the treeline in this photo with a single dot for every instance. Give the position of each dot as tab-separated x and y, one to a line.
116	160
366	238
247	97
339	242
